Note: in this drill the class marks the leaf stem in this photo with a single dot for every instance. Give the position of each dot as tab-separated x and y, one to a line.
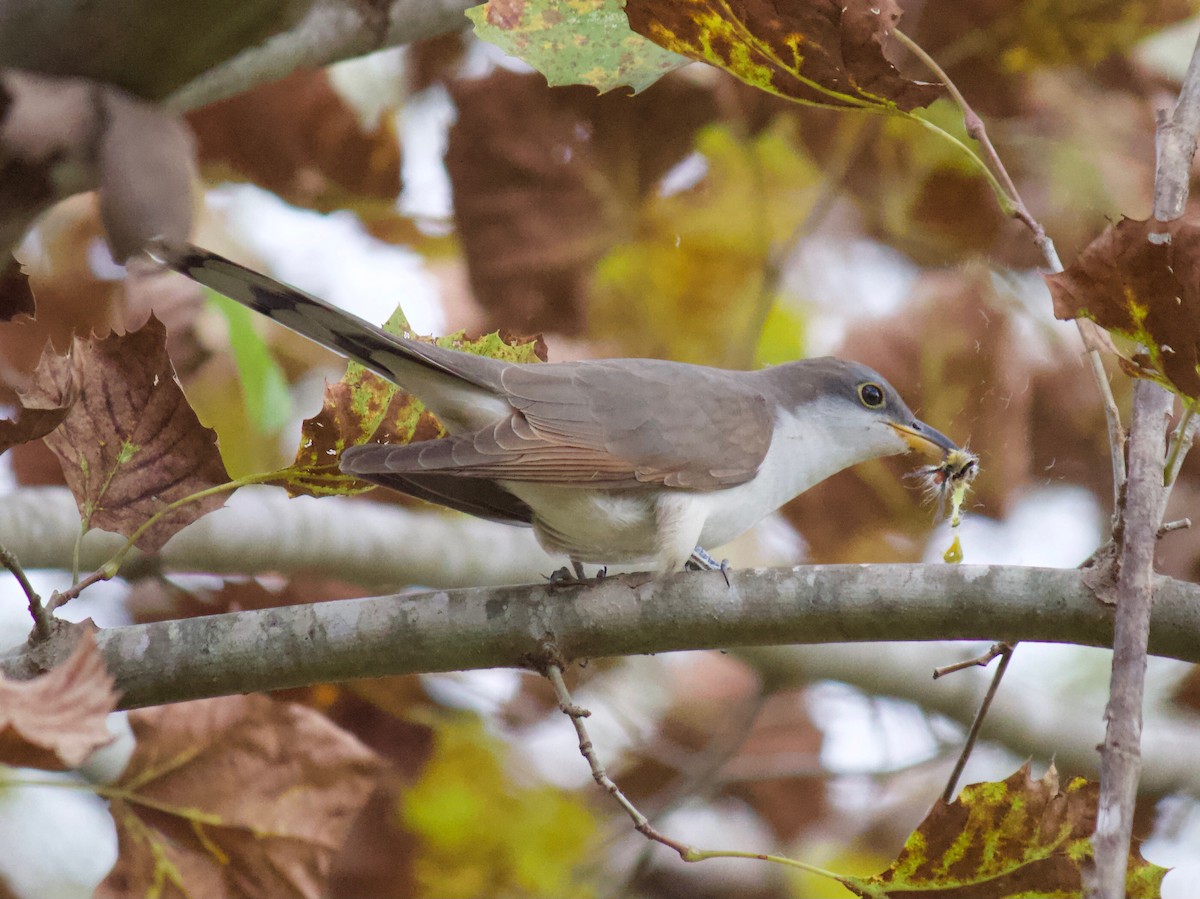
109	569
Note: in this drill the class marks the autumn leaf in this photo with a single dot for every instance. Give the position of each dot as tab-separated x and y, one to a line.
365	408
547	181
300	139
1141	279
1015	838
55	721
30	424
814	51
239	796
692	284
15	296
130	444
575	42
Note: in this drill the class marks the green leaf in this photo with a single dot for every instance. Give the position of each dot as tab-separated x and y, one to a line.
575	42
264	387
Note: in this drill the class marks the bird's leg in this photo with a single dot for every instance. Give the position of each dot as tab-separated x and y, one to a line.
702	560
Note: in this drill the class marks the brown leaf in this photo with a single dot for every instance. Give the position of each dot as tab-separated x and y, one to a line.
1019	837
30	424
819	51
130	444
1142	279
236	797
15	296
300	139
547	181
55	721
361	407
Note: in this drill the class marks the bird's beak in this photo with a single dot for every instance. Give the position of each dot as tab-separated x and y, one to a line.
924	439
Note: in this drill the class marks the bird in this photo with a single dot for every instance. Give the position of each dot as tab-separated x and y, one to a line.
611	461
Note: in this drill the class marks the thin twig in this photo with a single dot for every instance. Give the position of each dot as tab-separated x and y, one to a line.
1179	525
1012	203
1006	653
567	706
997	649
588	750
41	619
1180	443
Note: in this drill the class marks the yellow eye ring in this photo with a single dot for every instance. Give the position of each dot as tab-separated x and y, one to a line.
871	395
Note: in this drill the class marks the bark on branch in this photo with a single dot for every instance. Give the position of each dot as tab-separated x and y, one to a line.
501	627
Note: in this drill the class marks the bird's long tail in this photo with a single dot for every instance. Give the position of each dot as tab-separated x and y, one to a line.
454	384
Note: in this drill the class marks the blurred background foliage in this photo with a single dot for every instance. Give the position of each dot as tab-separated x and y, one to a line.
700	221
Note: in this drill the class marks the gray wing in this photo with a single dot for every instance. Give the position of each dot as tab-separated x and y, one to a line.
611	424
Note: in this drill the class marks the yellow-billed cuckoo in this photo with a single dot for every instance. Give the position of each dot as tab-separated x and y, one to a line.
617	460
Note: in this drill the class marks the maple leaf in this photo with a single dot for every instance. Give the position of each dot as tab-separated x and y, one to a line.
1141	279
55	721
822	52
130	444
365	408
15	296
236	796
1015	838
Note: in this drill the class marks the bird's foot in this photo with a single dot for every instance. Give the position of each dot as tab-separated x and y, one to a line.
702	560
575	576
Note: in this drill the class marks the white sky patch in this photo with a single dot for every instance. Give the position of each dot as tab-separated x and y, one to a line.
483	58
684	175
371	85
59	842
424	125
843	281
331	256
1053	527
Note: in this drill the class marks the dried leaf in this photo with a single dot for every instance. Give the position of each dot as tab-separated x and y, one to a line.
130	444
15	296
364	408
817	51
547	181
1142	279
55	721
236	797
691	284
300	139
30	424
1019	837
575	42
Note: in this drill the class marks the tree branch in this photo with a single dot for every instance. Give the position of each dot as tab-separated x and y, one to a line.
261	530
503	627
332	30
1067	732
1121	763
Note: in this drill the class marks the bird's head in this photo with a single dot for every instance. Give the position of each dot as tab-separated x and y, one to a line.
858	409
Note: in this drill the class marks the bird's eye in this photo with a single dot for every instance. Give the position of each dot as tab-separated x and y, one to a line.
871	395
